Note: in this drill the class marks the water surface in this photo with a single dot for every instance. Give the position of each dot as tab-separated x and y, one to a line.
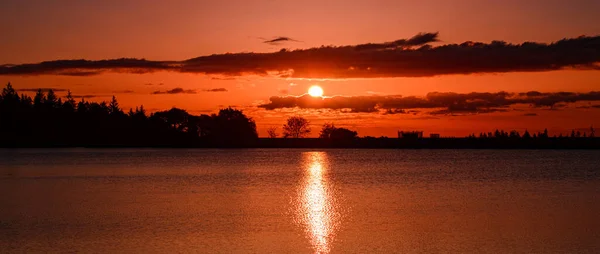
299	201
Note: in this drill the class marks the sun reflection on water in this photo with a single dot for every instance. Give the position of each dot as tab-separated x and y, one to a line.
317	205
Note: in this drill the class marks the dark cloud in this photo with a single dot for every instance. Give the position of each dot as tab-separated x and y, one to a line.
279	40
466	110
445	103
177	90
124	91
413	57
530	114
417	40
349	62
394	111
154	84
558	99
44	89
83	67
422	38
215	90
589	106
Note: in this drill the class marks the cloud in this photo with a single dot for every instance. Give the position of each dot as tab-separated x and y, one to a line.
83	67
279	40
443	103
394	111
45	90
215	90
466	110
558	99
413	57
154	84
417	40
177	90
530	114
589	106
124	91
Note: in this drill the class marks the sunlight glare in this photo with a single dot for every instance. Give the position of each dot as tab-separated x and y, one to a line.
315	91
317	204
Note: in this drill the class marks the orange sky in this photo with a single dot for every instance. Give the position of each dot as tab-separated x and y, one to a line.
155	30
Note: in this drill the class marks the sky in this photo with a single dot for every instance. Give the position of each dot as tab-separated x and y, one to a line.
384	65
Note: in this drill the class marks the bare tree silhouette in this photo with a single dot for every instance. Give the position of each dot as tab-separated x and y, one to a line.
296	127
272	132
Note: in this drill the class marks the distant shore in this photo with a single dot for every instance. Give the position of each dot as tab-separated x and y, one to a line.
358	143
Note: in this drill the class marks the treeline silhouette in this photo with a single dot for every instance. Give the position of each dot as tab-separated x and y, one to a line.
331	136
46	120
526	135
49	121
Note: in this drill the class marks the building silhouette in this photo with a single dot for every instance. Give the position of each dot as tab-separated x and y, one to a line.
410	134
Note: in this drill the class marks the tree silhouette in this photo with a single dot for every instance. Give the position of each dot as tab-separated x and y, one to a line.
38	99
343	134
514	134
47	120
545	134
113	107
70	103
174	118
9	94
51	100
296	127
272	132
232	126
329	131
326	130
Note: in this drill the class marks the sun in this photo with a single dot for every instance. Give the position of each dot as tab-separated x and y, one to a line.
315	91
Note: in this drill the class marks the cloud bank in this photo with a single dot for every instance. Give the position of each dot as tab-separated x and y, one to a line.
413	57
445	103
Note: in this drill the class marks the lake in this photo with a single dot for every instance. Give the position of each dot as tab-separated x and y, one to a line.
299	201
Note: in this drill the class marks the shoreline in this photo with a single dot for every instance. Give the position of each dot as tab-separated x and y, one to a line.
360	143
